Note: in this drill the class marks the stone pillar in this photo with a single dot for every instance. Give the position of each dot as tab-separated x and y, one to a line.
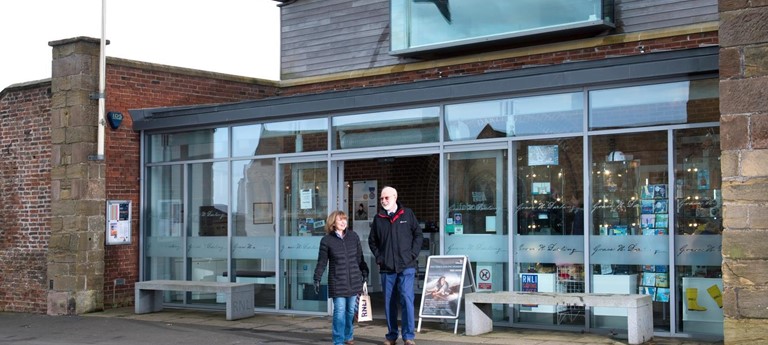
76	247
744	143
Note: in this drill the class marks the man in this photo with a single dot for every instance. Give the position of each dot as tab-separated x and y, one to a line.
395	241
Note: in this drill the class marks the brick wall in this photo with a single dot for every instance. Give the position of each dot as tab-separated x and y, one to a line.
132	85
744	145
25	203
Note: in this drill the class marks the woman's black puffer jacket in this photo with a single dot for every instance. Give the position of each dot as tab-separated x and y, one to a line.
347	269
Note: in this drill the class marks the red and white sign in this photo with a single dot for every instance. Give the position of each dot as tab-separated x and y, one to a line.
484	278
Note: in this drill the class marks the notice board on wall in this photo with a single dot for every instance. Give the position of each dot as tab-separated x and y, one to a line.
118	229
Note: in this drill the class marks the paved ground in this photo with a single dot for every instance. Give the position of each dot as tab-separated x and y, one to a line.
123	327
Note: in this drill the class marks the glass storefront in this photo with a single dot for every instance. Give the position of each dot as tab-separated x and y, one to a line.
602	189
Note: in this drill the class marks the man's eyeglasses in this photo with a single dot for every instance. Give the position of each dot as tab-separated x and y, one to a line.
385	198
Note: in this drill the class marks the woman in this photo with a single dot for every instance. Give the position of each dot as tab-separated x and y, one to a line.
441	289
340	249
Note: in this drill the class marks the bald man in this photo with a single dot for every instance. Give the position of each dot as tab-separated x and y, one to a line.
395	241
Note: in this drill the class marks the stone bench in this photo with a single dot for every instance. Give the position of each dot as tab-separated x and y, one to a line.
239	297
477	308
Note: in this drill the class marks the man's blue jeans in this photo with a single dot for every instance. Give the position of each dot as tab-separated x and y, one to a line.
398	289
343	315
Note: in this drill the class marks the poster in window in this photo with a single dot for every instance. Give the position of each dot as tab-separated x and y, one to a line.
702	178
542	155
262	213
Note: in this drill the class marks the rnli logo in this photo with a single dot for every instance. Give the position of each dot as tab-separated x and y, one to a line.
364	308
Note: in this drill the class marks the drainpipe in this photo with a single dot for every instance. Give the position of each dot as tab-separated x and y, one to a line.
102	83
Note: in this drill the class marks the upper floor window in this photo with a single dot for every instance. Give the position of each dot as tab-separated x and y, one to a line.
423	25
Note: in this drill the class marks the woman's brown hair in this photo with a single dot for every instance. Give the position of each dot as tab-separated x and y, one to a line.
330	222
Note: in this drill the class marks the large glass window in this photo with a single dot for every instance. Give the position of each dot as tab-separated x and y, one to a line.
435	24
253	223
629	209
698	230
547	114
163	237
656	104
303	214
198	144
477	224
280	137
549	241
397	127
207	219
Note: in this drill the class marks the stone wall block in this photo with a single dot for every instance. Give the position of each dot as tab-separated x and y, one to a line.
81	134
756	61
95	189
758	128
732	129
82	150
79	97
730	63
735	216
74	222
752	302
758	217
745	245
730	5
755	164
91	207
77	171
730	308
57	224
62	68
60	303
97	171
83	115
729	164
65	283
745	273
745	331
58	136
63	208
58	100
89	301
743	96
742	27
751	190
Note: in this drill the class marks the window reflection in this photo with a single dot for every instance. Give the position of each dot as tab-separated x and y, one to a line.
424	23
398	127
657	104
280	137
629	244
559	113
198	144
549	246
698	229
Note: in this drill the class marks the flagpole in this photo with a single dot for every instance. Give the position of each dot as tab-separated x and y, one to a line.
102	82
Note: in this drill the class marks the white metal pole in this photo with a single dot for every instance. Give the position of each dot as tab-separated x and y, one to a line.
102	82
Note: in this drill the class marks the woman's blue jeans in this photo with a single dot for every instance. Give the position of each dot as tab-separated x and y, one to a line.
343	315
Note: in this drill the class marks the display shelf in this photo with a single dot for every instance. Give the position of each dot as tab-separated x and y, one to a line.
541	209
616	205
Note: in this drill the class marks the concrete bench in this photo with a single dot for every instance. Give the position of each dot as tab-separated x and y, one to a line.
477	308
238	296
